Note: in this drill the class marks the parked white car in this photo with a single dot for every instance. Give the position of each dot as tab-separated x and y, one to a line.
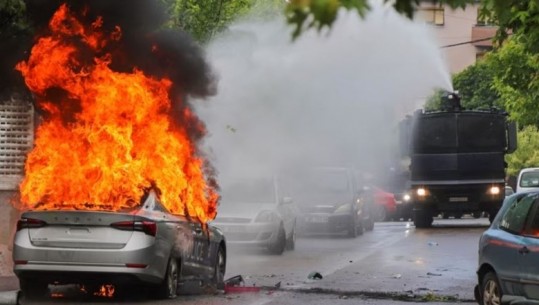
255	212
528	180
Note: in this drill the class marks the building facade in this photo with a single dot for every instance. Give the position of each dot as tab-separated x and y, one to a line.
461	33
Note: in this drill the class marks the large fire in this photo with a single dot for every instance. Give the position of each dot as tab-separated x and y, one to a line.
119	139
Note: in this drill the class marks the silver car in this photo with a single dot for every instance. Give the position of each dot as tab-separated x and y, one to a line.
147	245
253	212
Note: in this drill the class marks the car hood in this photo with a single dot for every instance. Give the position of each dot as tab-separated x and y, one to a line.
323	208
243	211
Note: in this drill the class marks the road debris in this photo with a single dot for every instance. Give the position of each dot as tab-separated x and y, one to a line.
315	276
434	274
236	284
397	276
433	243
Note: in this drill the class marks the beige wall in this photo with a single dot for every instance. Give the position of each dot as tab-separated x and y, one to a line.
457	28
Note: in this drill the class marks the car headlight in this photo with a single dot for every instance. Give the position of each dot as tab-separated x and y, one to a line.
266	216
494	190
421	192
406	197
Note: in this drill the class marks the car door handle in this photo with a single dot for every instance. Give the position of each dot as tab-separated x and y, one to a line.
524	250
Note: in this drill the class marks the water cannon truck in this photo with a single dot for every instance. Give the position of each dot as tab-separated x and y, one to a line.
457	161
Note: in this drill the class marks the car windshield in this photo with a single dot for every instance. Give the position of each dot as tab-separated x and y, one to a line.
530	179
248	191
331	186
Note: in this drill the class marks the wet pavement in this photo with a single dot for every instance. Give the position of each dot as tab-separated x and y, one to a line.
393	263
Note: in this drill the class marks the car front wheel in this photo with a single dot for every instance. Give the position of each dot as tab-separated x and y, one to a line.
490	290
220	269
278	246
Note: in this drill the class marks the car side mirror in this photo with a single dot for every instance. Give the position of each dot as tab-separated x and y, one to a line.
286	200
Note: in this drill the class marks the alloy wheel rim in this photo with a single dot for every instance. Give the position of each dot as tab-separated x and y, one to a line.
491	294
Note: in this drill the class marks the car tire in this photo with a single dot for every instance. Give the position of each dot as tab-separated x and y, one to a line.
279	245
381	213
491	292
291	241
353	230
218	280
168	289
422	219
33	289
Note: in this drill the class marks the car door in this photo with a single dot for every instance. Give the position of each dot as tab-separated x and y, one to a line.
529	255
504	245
201	257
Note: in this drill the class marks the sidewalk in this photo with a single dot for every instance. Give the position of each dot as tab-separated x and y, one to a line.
8	281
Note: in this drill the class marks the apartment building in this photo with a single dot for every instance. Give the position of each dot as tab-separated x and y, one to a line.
462	35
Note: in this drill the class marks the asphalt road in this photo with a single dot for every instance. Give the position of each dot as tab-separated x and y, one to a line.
392	264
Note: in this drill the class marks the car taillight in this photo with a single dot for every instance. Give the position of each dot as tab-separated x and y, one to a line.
29	223
148	227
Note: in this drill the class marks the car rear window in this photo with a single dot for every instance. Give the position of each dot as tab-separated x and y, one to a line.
515	216
529	179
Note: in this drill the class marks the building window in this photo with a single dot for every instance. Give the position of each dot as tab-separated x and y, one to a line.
431	15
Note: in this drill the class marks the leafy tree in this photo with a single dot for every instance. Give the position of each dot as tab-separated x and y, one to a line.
14	37
476	88
305	14
527	154
516	80
203	19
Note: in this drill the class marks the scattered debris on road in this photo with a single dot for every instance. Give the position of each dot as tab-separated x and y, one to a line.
434	274
236	284
315	276
397	276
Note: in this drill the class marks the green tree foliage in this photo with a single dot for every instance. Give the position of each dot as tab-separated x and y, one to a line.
203	19
12	17
305	14
515	81
476	88
527	154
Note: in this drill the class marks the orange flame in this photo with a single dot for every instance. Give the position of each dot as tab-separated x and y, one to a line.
121	139
105	291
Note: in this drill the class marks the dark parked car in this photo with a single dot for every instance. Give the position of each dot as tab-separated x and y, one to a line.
331	202
509	254
147	246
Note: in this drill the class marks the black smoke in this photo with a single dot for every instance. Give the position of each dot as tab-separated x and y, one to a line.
145	43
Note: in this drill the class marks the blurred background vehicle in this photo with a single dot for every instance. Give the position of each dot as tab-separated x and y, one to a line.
331	202
508	271
528	180
385	205
146	245
256	212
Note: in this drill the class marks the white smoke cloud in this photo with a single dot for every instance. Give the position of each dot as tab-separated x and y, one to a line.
329	98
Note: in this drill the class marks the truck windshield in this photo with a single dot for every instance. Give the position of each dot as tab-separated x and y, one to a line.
459	133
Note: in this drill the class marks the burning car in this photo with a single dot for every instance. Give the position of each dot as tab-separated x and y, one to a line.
147	245
253	212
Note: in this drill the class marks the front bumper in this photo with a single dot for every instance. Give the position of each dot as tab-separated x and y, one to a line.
318	223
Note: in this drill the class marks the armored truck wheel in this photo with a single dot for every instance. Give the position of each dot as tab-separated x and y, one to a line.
422	218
